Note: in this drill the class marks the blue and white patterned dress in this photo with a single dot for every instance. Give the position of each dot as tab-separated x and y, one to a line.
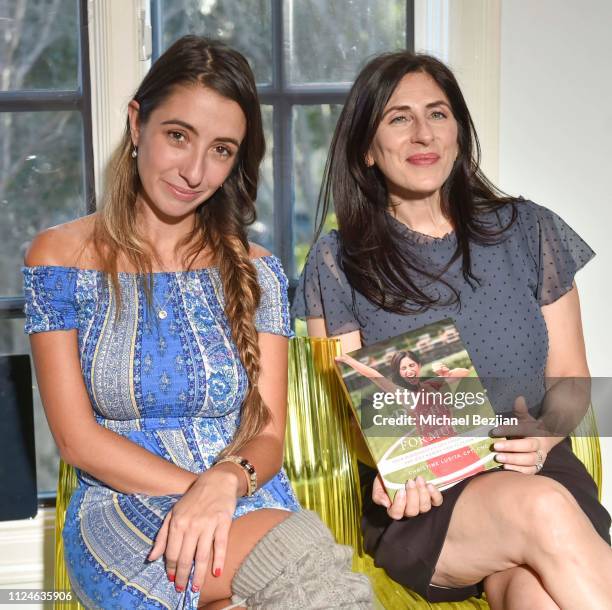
173	386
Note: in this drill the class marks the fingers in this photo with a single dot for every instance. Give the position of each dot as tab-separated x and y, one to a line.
429	495
435	495
396	510
173	547
520	408
185	562
183	552
519	445
423	494
220	547
160	540
379	494
201	562
521	455
416	497
201	557
412	499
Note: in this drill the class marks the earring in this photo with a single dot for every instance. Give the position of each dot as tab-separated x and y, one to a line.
135	152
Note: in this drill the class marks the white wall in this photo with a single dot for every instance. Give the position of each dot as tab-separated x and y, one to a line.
555	142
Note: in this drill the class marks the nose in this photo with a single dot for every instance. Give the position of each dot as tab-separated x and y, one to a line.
193	168
422	131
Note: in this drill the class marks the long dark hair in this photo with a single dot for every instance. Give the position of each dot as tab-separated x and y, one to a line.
221	221
369	254
396	363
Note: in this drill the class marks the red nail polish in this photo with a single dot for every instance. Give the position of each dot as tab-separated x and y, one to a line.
179	588
171	577
217	572
195	588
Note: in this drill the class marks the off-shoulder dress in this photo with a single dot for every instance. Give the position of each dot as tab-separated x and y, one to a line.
172	384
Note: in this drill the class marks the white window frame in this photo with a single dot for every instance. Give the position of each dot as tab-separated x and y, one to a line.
117	60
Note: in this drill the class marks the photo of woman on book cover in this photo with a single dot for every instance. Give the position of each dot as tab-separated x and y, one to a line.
406	366
431	352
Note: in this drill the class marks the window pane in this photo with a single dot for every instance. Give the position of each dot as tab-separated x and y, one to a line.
14	341
39	45
262	230
242	24
41	182
313	127
329	39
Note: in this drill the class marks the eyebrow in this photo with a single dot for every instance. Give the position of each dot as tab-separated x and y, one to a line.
193	130
407	107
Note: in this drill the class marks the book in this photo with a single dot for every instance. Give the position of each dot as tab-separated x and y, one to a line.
421	407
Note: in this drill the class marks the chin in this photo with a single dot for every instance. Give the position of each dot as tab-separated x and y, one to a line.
417	189
178	210
426	188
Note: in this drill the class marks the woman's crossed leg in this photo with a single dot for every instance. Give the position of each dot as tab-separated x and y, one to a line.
528	538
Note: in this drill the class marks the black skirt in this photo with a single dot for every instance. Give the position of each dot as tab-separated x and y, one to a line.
408	549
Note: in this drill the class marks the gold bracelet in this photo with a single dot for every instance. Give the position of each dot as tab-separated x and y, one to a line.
249	471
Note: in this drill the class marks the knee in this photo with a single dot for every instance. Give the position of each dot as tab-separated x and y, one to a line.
517	587
299	565
549	515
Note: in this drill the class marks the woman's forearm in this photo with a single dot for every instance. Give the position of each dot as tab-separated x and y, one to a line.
265	453
126	466
129	468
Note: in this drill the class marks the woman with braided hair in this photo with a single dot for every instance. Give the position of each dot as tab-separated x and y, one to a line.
159	335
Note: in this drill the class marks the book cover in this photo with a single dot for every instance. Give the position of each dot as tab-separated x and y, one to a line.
421	407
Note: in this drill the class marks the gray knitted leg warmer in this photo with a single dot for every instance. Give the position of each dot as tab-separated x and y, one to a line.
298	565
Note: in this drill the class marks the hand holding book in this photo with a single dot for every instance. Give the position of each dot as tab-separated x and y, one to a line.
523	454
417	497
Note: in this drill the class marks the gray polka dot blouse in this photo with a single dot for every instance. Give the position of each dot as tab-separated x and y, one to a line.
500	320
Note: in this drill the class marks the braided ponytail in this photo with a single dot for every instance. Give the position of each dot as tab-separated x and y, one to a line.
242	294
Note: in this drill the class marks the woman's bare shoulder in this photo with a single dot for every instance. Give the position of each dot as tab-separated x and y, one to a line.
64	245
257	251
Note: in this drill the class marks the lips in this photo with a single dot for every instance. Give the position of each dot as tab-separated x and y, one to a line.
182	194
423	159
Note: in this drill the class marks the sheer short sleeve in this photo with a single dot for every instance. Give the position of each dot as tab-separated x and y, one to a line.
50	298
323	290
272	315
557	250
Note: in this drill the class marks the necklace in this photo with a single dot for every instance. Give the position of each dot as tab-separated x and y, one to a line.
162	314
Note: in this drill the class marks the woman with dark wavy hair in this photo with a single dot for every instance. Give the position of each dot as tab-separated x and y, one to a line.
159	335
423	236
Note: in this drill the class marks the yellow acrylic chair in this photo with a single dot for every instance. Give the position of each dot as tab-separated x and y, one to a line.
320	461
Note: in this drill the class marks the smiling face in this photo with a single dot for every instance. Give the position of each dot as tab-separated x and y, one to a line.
415	144
409	368
186	149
